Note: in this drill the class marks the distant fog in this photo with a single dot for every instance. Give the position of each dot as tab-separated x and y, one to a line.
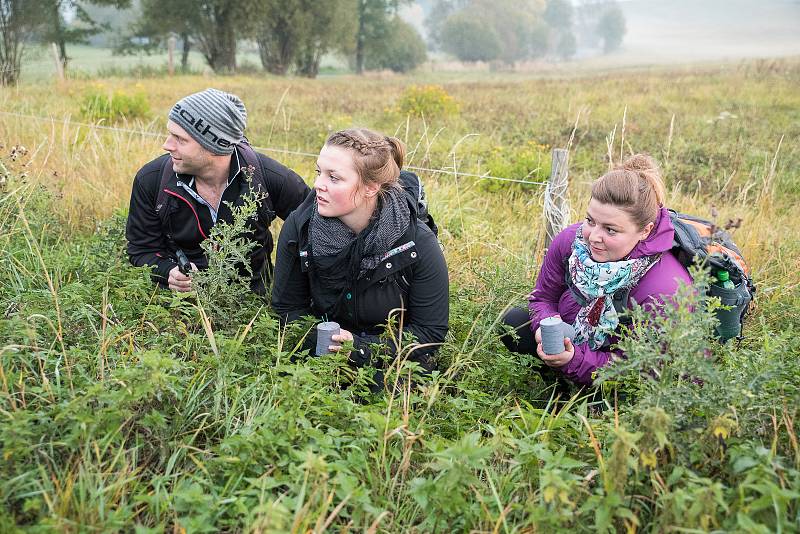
683	30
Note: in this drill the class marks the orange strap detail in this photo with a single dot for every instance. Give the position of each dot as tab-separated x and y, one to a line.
725	251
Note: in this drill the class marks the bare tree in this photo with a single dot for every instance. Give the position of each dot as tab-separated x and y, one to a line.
19	20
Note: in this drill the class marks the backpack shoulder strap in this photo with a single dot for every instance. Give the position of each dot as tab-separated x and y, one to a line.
161	195
252	160
687	242
620	300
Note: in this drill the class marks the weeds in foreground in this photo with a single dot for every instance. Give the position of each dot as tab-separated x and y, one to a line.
123	407
138	413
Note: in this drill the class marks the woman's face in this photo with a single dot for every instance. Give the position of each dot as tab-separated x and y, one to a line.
610	232
339	190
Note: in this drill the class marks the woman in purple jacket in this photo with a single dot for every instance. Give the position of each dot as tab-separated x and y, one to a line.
624	244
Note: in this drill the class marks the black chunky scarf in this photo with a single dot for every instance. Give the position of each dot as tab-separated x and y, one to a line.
329	236
340	257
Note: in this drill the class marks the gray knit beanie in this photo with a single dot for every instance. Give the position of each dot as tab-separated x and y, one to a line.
214	118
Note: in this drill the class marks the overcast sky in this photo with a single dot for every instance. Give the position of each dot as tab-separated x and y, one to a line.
664	31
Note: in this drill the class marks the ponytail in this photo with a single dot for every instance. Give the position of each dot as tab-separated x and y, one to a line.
398	150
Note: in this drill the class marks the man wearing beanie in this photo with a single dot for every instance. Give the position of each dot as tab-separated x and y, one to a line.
177	198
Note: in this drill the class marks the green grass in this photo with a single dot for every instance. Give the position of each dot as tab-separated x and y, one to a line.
123	407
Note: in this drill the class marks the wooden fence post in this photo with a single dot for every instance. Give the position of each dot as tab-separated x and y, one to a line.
171	54
59	63
556	203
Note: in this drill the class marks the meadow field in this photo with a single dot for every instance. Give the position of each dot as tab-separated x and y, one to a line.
125	408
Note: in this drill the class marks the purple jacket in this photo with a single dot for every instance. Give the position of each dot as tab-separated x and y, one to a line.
551	296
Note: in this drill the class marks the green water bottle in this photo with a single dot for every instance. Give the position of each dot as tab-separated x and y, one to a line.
724	279
729	321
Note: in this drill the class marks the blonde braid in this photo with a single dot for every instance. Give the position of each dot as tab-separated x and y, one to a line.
363	147
376	157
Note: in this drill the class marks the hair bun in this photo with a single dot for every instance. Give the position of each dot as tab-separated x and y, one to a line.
639	163
398	150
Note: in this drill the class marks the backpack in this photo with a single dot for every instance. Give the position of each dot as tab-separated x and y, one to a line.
413	187
700	241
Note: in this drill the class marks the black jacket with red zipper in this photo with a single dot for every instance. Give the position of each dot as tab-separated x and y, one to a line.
154	233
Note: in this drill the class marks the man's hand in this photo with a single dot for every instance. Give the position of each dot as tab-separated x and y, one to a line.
180	282
343	336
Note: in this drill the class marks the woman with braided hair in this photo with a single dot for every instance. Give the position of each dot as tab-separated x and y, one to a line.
622	248
355	253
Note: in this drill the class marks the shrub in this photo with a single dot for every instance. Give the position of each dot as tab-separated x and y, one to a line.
113	107
224	285
505	30
531	162
427	101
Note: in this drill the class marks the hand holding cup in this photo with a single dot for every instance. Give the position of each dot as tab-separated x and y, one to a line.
325	331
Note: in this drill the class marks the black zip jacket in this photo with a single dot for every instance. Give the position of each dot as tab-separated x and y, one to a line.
154	233
412	276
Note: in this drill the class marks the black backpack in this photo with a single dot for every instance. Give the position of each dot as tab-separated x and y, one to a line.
413	187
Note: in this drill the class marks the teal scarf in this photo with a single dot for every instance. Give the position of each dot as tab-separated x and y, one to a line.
597	282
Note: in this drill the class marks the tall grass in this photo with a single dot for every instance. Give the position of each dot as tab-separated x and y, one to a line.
124	407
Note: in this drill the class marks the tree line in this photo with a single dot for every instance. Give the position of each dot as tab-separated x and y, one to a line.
508	31
292	36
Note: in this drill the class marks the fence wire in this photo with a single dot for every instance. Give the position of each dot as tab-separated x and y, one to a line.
145	133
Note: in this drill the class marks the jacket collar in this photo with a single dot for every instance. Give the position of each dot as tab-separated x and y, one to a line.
660	238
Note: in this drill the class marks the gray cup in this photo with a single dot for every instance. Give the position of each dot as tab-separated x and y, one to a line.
324	333
554	330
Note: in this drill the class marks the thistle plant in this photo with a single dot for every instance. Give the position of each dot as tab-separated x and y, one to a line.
669	349
225	284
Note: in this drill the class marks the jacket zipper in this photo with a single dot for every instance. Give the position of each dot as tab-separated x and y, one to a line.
176	195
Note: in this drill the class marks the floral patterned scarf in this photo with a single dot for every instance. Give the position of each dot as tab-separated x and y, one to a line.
597	282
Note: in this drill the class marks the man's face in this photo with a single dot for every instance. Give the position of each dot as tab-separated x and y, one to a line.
188	156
